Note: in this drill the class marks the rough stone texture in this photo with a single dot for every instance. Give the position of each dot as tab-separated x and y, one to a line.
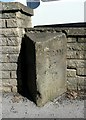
71	40
14	89
2	23
76	46
15	6
24	23
9	58
10	50
76	55
72	83
82	83
82	40
71	73
12	23
9	66
9	82
8	74
19	15
74	32
9	41
76	63
5	74
12	32
21	23
81	71
6	89
13	15
46	65
7	15
13	74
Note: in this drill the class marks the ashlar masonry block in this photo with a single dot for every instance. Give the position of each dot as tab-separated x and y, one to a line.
46	65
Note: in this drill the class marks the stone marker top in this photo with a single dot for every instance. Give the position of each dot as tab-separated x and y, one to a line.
15	6
42	35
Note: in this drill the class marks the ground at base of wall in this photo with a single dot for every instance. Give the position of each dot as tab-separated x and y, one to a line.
16	106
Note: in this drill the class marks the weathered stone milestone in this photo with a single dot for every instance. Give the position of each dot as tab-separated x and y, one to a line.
46	65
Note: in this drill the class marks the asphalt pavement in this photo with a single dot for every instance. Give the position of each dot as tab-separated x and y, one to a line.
16	106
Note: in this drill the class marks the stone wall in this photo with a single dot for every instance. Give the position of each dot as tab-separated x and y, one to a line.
14	17
76	59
